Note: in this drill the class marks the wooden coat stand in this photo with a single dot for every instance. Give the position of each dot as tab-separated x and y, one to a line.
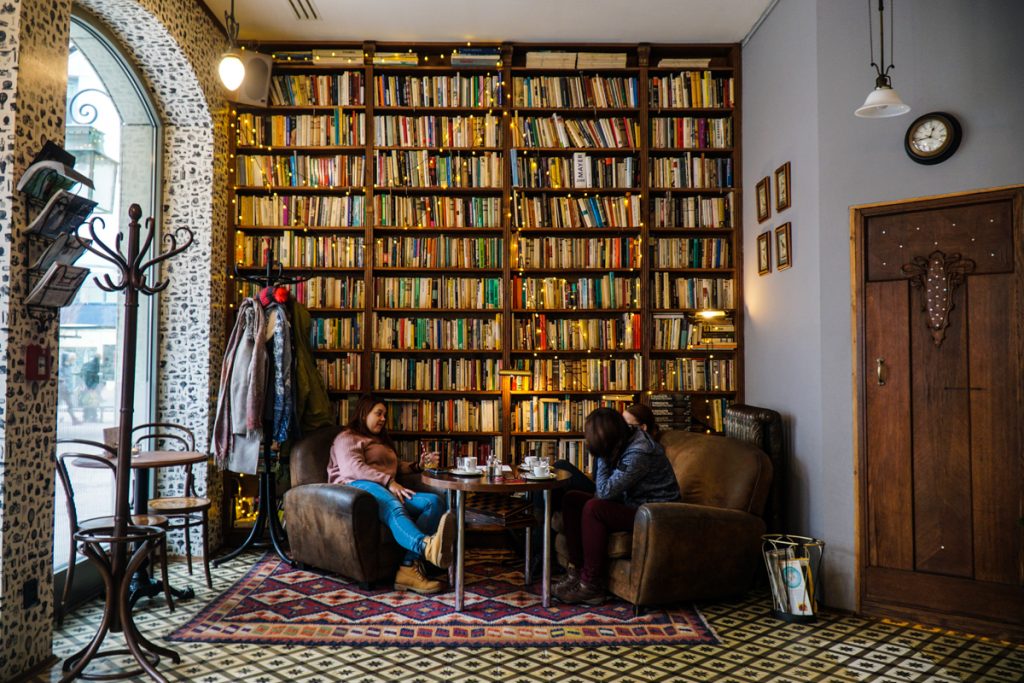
115	565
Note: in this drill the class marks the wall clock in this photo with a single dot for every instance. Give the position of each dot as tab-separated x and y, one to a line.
933	138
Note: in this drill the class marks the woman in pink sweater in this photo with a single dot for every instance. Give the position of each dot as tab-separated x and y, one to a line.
364	456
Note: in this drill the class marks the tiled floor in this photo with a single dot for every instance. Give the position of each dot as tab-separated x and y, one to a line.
756	648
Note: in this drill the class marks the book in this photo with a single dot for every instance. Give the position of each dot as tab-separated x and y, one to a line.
56	287
601	60
685	62
63	212
66	248
544	59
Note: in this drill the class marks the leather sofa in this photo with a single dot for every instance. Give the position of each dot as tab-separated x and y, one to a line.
333	526
706	546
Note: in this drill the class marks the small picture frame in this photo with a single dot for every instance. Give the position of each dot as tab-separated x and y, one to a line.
783	247
764	200
764	252
783	188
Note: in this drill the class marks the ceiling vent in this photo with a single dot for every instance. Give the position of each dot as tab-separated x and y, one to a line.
305	10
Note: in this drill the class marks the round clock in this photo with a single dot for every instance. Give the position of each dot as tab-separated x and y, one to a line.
933	138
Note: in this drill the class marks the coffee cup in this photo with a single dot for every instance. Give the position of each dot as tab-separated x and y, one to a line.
467	463
541	470
530	461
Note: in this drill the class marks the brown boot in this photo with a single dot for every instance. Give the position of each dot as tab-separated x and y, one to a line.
572	575
580	593
438	548
411	578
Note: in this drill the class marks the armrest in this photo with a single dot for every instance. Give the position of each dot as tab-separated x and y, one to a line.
699	550
323	515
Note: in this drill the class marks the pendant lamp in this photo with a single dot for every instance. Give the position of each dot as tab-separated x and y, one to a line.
231	68
883	101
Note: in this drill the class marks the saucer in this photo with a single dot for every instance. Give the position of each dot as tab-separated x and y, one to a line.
466	473
545	477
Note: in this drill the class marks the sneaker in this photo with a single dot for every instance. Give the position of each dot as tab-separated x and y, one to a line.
437	550
411	578
580	593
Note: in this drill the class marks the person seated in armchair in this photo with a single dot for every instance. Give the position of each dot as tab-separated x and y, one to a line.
363	456
630	469
639	415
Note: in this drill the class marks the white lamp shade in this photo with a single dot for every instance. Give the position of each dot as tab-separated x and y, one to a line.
231	70
882	102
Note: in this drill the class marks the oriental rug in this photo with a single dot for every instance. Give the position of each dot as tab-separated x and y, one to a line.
274	604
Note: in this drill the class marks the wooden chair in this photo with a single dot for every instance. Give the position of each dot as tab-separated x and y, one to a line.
186	511
94	460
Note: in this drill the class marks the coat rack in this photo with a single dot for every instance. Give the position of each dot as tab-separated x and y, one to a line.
266	522
115	565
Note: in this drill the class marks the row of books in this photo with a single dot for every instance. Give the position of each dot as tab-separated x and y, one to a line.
457	90
296	250
694	252
422	168
439	292
452	415
692	89
346	89
579	374
578	92
438	131
302	130
690	171
300	210
714	412
689	131
341	374
548	333
323	292
476	56
692	212
438	252
692	292
456	334
550	211
437	211
558	131
299	170
407	58
580	171
439	374
580	252
582	293
449	449
333	334
554	59
693	374
671	331
543	414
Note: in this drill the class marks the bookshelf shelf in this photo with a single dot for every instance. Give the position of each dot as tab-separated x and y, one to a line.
623	225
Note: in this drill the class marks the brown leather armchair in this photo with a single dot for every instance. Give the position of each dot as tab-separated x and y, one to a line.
705	546
332	526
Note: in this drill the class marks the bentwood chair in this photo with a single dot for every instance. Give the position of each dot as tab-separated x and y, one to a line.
188	510
105	459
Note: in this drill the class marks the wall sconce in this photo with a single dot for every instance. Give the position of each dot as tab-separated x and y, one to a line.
231	68
883	101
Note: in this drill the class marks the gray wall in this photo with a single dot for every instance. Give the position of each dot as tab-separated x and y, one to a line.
805	70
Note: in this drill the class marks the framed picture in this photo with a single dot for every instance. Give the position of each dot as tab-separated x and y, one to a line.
783	188
764	200
783	247
764	252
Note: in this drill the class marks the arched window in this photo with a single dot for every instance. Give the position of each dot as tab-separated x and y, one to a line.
112	130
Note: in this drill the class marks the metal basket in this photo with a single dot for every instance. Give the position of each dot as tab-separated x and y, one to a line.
794	568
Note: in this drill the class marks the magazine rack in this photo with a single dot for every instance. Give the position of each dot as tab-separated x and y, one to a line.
117	565
794	573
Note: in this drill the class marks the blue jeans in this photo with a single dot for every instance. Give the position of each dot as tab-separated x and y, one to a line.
398	516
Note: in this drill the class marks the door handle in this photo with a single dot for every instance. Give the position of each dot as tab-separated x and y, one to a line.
881	371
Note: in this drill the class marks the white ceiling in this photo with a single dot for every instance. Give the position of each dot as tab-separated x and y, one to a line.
626	21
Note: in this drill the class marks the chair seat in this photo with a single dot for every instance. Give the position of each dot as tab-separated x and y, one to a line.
178	505
138	520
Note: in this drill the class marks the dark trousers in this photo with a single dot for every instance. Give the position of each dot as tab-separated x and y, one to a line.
588	522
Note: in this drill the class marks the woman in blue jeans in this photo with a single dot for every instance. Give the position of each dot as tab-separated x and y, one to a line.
364	456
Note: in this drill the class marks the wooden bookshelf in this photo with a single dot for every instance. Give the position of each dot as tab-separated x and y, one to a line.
509	212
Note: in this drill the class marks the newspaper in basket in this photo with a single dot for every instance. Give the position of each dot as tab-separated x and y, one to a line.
794	569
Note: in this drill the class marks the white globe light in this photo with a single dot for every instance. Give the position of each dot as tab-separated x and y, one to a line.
231	70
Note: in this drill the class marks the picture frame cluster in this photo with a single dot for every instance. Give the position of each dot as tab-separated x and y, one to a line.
783	247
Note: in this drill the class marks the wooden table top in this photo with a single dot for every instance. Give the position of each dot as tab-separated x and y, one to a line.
155	459
445	480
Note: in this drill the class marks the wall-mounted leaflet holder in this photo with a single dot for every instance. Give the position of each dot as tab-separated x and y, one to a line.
52	279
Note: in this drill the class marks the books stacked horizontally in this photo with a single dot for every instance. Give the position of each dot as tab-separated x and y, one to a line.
684	62
712	335
672	411
350	57
601	60
476	56
546	59
396	58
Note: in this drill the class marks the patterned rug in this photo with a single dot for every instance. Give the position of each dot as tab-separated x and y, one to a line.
275	604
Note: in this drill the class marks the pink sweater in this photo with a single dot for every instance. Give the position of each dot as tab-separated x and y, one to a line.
354	456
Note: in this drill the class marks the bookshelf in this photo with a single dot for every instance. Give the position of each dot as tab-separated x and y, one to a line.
504	236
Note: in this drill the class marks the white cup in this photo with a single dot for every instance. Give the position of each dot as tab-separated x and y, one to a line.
467	464
541	470
530	461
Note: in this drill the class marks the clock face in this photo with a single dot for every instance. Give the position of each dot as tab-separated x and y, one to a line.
933	138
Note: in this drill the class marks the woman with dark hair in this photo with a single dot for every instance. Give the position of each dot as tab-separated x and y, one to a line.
630	469
639	415
364	456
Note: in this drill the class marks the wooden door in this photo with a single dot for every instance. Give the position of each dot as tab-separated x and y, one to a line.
940	349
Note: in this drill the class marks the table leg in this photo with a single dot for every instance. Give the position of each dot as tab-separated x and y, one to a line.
460	549
546	568
527	573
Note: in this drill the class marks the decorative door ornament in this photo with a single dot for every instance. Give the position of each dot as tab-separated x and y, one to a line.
938	276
